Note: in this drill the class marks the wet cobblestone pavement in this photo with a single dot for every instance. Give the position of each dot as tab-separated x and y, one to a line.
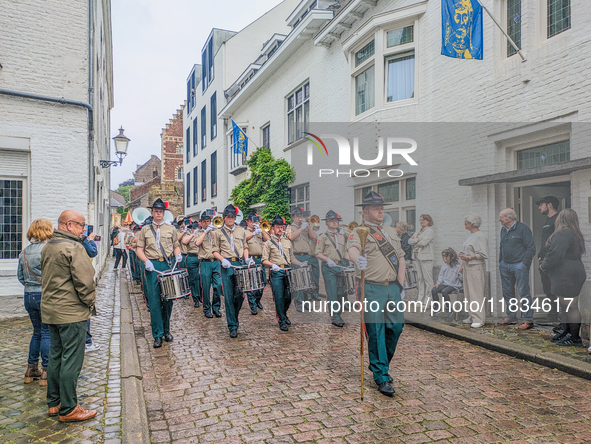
303	386
23	410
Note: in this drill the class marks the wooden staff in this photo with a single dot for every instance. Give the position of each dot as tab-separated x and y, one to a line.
363	232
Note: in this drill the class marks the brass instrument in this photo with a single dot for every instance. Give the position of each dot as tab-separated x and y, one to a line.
265	225
218	221
350	226
314	222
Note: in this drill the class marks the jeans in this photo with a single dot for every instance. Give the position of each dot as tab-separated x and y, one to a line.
40	341
121	253
512	274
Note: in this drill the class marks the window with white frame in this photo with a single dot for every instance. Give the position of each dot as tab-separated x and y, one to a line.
207	64
267	136
11	218
390	51
513	25
179	173
558	16
400	197
299	197
203	127
236	159
214	118
298	113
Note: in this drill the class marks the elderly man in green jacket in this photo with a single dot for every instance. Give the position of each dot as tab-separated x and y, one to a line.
67	302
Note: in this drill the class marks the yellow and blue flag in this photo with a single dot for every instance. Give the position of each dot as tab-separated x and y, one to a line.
240	140
461	29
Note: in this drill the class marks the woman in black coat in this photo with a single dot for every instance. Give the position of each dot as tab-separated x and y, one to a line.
567	273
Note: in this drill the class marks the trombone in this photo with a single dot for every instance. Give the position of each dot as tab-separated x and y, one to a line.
350	226
218	222
265	225
314	222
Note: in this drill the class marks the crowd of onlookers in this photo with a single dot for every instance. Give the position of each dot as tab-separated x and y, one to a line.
560	266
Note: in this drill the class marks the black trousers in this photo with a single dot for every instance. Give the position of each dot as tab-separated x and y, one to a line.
121	253
445	290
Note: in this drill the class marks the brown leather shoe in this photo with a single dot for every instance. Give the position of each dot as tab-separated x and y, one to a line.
32	373
43	379
508	321
526	325
53	411
78	414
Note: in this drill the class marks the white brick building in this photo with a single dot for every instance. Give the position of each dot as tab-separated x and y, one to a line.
379	61
49	152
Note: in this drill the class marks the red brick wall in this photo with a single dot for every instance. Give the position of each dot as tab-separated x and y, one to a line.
172	138
139	191
148	170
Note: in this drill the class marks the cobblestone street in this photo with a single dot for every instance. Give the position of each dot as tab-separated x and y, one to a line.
303	386
23	410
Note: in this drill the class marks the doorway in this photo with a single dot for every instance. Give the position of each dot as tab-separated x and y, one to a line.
527	210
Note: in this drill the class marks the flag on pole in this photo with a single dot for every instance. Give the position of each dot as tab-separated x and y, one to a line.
461	29
240	140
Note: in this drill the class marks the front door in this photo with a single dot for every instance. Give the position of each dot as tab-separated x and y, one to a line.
528	213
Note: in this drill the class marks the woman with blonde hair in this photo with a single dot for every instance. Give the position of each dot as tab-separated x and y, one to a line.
29	274
567	273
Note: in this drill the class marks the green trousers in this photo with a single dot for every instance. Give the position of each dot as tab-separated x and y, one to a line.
132	263
232	298
314	263
383	327
281	295
193	270
160	311
334	292
300	296
66	356
255	296
209	272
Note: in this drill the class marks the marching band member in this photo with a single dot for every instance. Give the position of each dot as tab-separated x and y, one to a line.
209	267
331	250
191	253
278	254
136	271
230	248
385	270
156	245
255	239
302	236
180	232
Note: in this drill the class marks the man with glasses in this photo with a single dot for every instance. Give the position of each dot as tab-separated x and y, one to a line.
68	302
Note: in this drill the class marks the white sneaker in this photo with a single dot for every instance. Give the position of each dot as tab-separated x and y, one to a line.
467	321
92	347
476	325
589	349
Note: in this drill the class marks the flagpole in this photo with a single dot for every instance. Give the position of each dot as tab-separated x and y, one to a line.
248	138
523	59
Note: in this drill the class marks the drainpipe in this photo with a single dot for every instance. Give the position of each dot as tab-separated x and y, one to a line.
91	101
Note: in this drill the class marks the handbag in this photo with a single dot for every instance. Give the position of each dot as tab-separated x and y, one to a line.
116	241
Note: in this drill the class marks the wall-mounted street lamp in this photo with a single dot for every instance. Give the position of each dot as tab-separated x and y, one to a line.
121	142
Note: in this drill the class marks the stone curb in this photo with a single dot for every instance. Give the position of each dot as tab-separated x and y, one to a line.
527	353
135	429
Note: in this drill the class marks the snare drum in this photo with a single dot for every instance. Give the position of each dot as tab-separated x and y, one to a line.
349	273
410	281
300	279
174	285
249	279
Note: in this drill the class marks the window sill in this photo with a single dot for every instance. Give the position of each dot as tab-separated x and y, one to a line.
294	144
238	170
387	106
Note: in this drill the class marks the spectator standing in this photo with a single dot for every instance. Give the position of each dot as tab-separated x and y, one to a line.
91	250
423	252
515	257
68	301
474	256
402	230
120	249
548	206
29	274
567	274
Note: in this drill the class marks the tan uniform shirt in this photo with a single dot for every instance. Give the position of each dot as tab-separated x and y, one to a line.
378	268
134	241
223	247
271	252
190	247
147	240
255	244
325	247
207	247
183	248
302	244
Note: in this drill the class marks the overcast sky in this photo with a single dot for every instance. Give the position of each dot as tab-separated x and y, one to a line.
155	45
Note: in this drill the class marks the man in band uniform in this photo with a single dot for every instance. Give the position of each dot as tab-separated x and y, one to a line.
331	250
192	260
278	255
155	248
255	239
302	237
385	269
209	267
230	249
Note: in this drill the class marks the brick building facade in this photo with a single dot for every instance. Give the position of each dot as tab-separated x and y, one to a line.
172	149
146	172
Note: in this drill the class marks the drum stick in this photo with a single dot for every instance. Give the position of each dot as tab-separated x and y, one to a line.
363	232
